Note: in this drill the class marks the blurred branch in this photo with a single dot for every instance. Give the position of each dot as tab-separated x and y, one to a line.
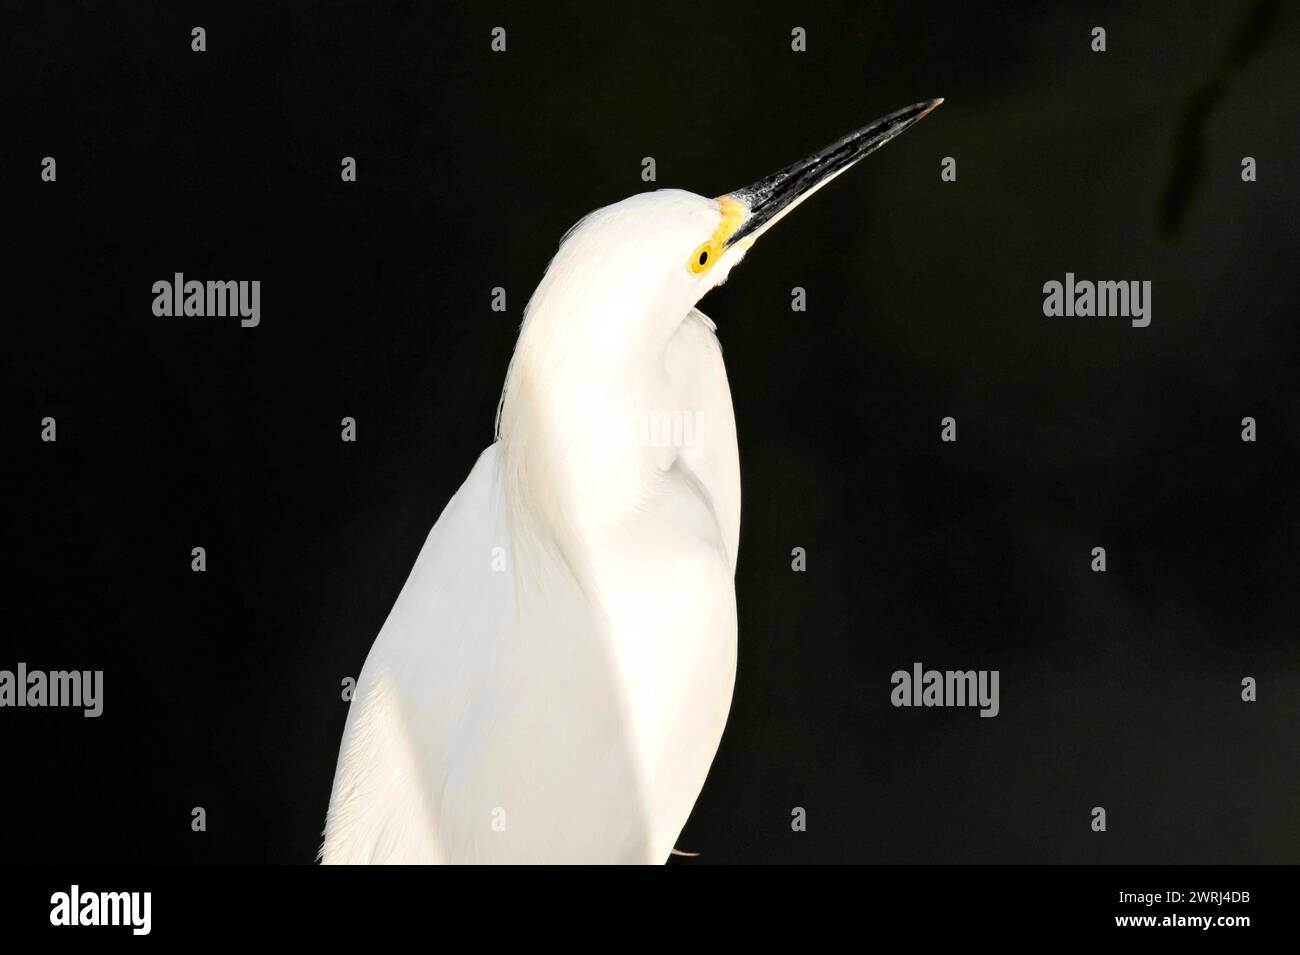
1188	160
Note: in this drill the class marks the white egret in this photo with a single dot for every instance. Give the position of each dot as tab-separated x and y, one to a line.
553	681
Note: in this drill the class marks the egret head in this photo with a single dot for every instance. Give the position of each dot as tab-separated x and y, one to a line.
630	272
745	214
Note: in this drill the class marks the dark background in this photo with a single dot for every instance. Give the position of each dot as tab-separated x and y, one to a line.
222	689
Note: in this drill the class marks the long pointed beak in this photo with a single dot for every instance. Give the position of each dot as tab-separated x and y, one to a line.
769	199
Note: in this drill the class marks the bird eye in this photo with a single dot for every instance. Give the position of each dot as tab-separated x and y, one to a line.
701	258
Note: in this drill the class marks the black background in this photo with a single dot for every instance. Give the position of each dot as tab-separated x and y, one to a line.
222	689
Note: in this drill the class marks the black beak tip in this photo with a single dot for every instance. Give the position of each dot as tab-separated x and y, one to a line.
769	197
918	111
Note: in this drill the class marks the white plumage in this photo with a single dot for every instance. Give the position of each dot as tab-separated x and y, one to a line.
553	681
566	707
